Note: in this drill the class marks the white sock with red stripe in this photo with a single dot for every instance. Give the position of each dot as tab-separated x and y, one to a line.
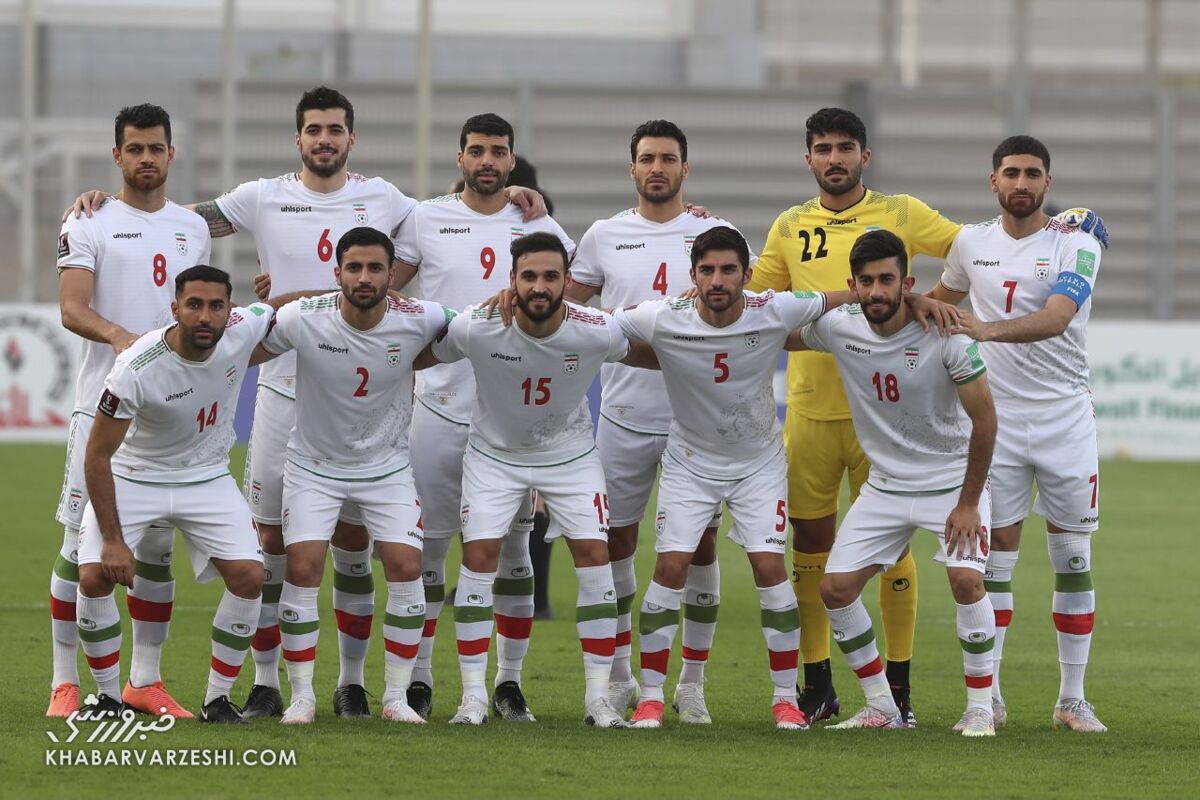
512	596
781	628
264	648
701	600
433	575
658	622
625	584
596	624
402	625
1074	608
473	622
354	607
232	631
100	632
299	627
976	627
856	638
998	582
150	601
64	632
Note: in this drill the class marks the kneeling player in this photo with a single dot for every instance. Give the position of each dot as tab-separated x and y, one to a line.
908	389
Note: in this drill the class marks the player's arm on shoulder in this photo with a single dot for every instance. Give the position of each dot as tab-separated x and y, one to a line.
530	201
210	212
87	203
452	344
402	274
964	531
580	292
1086	220
75	287
108	431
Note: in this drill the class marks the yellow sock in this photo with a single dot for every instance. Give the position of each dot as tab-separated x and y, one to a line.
898	607
808	569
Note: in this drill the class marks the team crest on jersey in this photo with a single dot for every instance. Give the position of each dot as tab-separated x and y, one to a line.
255	492
571	363
688	241
231	375
75	500
360	213
752	340
181	244
911	354
660	521
464	515
393	355
1043	269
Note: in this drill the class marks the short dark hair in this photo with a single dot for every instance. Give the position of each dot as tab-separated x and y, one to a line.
658	128
722	237
489	125
540	242
365	237
146	115
320	98
1020	146
835	120
204	273
876	246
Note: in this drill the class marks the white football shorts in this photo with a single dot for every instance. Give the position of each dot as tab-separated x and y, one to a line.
387	506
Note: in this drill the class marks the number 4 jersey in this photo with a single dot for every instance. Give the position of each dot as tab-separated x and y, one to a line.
134	257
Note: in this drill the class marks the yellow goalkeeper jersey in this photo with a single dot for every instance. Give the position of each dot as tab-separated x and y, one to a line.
808	249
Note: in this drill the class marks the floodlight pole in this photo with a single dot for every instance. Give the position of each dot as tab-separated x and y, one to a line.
27	207
424	120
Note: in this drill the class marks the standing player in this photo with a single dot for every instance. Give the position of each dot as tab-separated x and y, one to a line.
159	450
116	276
354	356
458	246
638	255
908	390
1030	279
531	430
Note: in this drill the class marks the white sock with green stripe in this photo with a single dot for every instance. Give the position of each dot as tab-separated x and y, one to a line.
856	638
64	589
781	628
473	622
100	632
299	628
264	648
625	584
402	625
433	576
150	601
658	622
976	627
701	600
512	596
596	624
354	607
232	630
998	582
1074	608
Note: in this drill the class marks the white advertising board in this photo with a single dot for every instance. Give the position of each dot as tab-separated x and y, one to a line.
38	362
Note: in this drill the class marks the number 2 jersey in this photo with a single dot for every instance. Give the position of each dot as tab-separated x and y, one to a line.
904	398
1009	278
531	407
134	257
296	231
634	260
462	258
353	388
182	410
719	380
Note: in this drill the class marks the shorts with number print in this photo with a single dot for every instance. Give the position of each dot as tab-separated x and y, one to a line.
879	525
212	515
687	504
493	492
1053	444
388	507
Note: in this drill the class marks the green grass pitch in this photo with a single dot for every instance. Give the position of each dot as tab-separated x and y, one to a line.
1145	664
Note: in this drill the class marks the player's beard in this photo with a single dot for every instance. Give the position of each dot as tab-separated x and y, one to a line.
551	308
1032	203
145	181
877	318
194	341
483	189
660	194
361	302
723	301
850	180
325	170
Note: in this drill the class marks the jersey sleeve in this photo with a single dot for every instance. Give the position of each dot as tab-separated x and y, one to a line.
799	308
438	318
817	334
121	397
258	319
1077	268
402	208
954	271
962	358
454	344
618	345
566	240
930	233
76	244
637	322
205	246
282	335
406	242
239	206
585	267
771	270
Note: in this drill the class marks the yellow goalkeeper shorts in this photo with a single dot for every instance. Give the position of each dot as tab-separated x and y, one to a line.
818	454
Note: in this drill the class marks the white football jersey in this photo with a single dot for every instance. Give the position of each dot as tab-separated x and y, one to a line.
353	388
1009	278
296	231
531	403
633	260
719	380
462	258
134	257
182	410
903	398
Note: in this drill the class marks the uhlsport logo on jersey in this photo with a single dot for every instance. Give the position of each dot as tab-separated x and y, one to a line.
571	363
1042	271
752	340
911	354
393	355
360	213
688	241
181	244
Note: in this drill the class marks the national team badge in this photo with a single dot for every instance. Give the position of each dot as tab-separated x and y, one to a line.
360	213
911	355
181	244
752	340
517	233
75	500
660	521
231	375
571	363
1043	269
255	492
393	355
464	515
688	241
